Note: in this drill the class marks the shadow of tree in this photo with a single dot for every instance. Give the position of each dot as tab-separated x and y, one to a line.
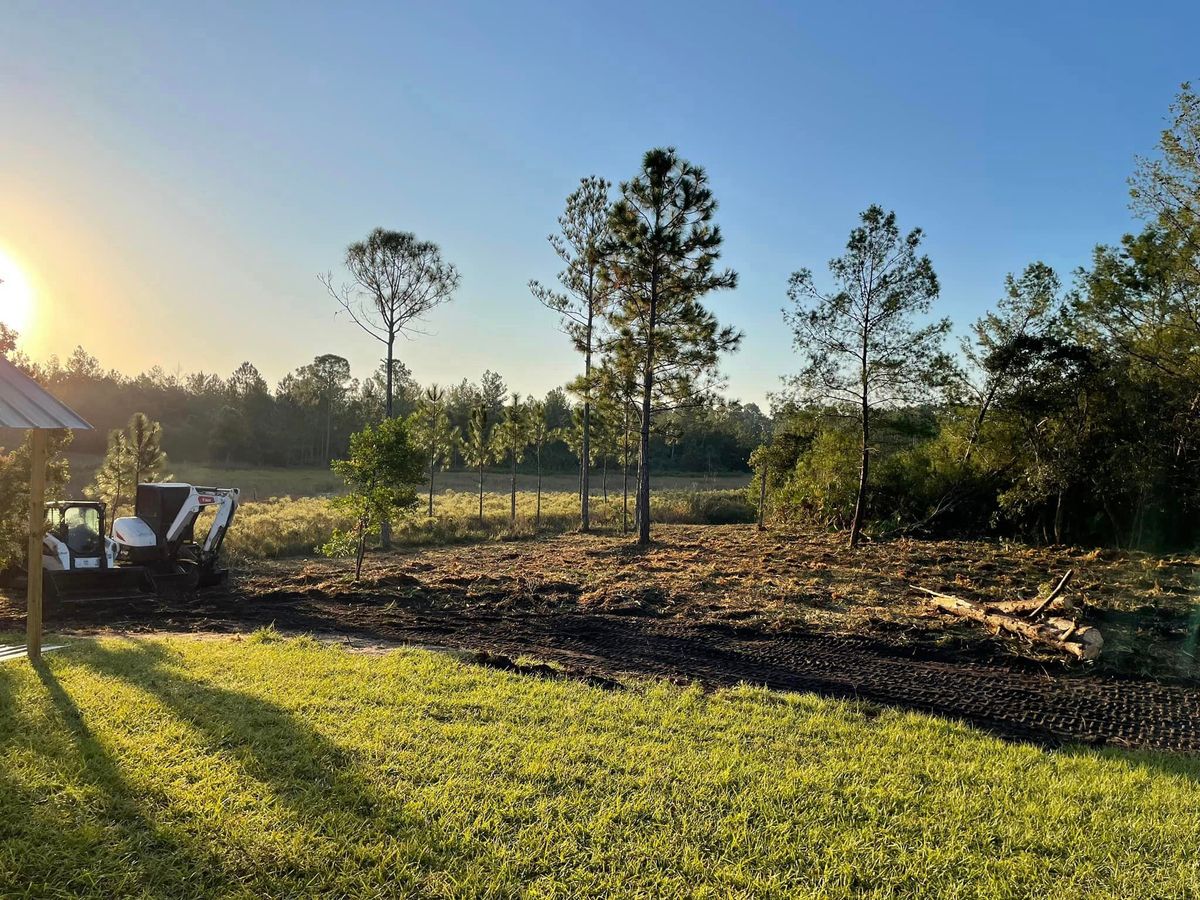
128	848
309	787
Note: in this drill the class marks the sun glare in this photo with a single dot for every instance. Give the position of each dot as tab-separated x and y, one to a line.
16	294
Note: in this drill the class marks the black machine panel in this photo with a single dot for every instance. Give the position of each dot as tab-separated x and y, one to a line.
158	505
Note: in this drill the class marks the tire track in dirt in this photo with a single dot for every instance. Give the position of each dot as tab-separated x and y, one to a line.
1043	707
1049	709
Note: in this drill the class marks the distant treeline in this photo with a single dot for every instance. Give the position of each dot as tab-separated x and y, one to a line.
307	419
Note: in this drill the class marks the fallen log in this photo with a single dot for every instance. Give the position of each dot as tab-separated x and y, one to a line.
1036	605
1064	635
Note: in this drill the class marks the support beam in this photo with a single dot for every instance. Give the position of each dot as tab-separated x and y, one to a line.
37	523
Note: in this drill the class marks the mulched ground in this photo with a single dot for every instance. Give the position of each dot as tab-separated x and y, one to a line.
723	605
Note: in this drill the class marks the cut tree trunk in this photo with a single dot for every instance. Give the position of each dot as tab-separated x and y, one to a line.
1064	635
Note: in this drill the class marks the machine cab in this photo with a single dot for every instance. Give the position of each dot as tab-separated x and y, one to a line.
74	537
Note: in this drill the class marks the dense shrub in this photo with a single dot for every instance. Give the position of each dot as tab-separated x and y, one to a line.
919	481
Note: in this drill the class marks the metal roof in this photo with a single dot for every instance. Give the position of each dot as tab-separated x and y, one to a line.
25	404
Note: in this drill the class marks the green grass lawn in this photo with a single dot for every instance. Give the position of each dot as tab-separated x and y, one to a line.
188	767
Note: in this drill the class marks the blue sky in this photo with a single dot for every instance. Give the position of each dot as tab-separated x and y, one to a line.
174	176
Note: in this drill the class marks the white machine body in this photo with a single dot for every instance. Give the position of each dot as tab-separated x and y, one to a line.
74	538
163	528
130	531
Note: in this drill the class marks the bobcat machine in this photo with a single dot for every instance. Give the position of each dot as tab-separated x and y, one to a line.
79	560
153	551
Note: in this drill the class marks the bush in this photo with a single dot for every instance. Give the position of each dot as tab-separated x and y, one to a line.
718	508
919	481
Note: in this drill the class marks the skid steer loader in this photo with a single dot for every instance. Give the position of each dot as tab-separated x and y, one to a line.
79	560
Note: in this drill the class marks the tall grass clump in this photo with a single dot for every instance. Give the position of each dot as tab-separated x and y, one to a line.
283	526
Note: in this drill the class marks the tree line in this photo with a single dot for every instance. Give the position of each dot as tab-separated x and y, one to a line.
1069	413
307	419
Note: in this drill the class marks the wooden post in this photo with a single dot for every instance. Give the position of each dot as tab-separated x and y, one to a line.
37	523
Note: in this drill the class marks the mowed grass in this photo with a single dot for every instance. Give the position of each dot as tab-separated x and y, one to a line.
255	483
285	527
265	482
271	768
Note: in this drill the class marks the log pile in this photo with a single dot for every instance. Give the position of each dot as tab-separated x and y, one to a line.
1058	632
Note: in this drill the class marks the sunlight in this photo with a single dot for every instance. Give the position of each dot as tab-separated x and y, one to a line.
16	294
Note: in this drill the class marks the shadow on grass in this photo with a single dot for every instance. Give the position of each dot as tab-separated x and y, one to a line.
98	831
1155	763
314	787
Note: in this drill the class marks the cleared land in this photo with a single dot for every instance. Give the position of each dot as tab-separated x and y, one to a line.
723	605
188	768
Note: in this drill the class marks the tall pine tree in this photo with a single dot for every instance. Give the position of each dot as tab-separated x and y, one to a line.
861	346
583	300
661	263
431	431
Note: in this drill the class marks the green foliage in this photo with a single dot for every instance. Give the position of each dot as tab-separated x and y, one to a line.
862	346
14	492
396	280
920	480
816	473
318	393
1073	418
8	340
512	436
431	430
511	440
540	431
477	449
135	456
278	767
381	474
718	508
212	426
581	245
113	480
1167	189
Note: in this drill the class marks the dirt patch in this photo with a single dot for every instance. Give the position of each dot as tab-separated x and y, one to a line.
723	605
786	582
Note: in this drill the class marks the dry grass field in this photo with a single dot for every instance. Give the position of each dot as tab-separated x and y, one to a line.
265	482
298	527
